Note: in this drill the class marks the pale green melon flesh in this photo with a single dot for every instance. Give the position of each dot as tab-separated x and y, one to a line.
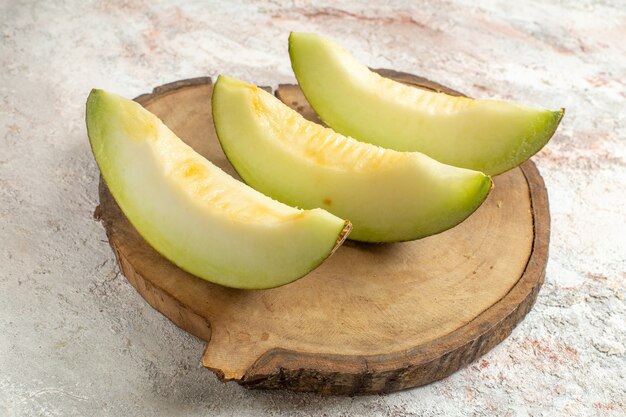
387	195
192	212
485	135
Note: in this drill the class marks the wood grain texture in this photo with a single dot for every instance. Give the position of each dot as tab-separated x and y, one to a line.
372	318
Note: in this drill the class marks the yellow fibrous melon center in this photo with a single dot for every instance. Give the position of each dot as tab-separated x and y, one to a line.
319	144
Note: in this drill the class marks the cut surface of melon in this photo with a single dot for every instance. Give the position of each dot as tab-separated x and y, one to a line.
485	135
387	195
196	215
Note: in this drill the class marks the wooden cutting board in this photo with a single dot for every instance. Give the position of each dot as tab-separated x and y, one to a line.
372	318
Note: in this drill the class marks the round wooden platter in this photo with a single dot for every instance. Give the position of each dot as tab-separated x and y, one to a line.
371	318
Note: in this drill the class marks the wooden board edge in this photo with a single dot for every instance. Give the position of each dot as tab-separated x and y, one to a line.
169	88
173	309
415	80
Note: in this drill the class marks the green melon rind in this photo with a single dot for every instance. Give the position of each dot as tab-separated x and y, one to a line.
223	251
491	137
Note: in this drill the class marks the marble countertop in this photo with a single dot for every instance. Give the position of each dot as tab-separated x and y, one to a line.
77	340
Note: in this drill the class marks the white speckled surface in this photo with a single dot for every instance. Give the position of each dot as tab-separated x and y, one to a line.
77	340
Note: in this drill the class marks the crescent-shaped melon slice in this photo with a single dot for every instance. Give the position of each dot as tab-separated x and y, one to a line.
196	215
387	195
484	135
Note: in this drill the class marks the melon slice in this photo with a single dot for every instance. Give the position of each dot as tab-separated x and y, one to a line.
387	195
196	215
485	135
